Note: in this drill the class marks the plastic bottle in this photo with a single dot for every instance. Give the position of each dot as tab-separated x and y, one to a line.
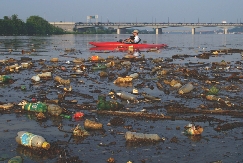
30	140
191	129
134	75
134	136
88	124
54	109
37	107
186	88
35	78
127	96
126	63
4	78
62	81
107	105
66	116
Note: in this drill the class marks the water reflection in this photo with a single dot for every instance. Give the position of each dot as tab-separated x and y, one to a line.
28	153
195	138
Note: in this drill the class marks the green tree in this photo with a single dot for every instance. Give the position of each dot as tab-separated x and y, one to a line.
18	25
7	26
36	25
12	26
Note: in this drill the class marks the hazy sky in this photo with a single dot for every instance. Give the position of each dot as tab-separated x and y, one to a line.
206	11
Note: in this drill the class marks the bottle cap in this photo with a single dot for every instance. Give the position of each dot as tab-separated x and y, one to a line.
46	145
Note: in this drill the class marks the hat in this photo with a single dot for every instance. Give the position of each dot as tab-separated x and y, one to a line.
135	31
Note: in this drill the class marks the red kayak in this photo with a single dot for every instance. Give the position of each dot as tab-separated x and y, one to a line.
126	45
104	48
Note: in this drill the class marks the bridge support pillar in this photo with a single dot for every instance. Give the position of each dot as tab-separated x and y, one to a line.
193	31
225	30
121	31
158	31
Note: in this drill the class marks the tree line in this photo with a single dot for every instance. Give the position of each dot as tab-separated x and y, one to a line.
34	25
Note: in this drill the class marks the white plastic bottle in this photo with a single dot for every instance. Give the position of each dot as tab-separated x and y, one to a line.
133	136
134	75
30	140
126	63
127	96
186	88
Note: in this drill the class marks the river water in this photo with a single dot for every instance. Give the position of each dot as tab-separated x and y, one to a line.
212	146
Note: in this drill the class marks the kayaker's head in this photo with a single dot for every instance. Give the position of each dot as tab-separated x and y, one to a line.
135	32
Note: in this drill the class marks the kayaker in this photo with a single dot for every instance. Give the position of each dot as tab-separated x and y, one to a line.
133	39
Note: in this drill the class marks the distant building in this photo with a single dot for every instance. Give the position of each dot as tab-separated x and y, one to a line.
66	26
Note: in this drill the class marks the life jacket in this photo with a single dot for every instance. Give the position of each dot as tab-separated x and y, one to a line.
138	41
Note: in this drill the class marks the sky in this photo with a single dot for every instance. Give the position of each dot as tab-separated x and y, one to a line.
174	11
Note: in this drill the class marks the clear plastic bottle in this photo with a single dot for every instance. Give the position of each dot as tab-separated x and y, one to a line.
126	63
134	75
31	140
53	109
186	88
127	96
133	136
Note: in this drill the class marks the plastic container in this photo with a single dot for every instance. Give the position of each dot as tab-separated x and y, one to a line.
191	129
35	78
45	75
92	125
107	105
134	136
127	96
134	75
54	109
128	63
61	80
36	107
66	116
78	115
4	78
186	88
94	58
31	140
25	65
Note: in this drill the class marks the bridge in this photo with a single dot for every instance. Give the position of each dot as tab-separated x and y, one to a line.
121	27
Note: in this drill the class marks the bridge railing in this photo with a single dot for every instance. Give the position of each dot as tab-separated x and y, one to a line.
158	24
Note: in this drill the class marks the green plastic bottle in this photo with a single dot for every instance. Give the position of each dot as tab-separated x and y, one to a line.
4	78
36	107
66	116
107	105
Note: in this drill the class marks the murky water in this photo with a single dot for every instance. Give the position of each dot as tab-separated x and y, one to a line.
211	146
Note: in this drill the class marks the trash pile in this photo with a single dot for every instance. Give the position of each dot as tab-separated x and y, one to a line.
79	90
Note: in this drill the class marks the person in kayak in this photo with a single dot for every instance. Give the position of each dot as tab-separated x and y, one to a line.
133	39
